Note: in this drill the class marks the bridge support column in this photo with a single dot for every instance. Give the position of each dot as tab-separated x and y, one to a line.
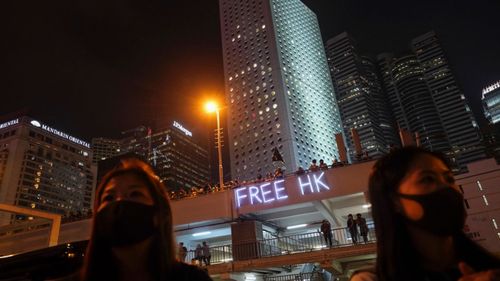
245	237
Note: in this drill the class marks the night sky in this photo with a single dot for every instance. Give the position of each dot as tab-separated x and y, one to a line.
95	68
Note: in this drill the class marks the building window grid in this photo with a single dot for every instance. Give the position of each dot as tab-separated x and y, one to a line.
312	106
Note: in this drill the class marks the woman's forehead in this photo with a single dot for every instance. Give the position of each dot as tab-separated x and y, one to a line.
428	162
125	181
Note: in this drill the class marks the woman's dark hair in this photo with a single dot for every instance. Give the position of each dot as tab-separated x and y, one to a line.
397	259
394	247
99	263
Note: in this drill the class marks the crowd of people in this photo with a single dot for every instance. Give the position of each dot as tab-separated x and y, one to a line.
279	173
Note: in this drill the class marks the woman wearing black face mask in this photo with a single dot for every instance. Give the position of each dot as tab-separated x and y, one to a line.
132	235
419	215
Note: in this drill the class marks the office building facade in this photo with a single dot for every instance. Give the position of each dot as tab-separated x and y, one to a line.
45	169
361	101
104	148
180	161
175	154
278	87
427	101
454	112
412	101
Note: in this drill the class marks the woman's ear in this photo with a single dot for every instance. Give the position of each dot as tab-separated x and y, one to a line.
156	220
398	207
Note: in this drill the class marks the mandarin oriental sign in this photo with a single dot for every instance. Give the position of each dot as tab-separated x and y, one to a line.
59	133
9	123
270	191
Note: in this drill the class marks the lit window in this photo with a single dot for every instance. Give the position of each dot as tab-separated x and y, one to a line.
485	200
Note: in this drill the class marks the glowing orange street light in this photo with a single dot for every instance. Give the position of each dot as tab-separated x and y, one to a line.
210	107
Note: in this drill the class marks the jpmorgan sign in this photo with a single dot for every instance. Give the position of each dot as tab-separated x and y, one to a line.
182	129
272	191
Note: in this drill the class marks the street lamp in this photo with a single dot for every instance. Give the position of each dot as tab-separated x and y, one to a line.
210	107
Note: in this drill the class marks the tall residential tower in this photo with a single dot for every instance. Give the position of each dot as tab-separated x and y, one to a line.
278	86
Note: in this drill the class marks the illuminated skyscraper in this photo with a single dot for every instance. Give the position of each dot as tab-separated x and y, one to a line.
426	99
454	112
412	101
362	103
278	86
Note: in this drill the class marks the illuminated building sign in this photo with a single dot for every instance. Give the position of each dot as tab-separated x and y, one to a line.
267	192
491	88
9	123
184	130
59	133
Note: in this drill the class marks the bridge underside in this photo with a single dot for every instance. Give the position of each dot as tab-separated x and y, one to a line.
340	261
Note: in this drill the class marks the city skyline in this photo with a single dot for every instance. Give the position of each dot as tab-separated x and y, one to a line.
92	85
75	62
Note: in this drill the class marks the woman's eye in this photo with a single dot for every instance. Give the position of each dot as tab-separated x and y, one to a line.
450	179
106	198
427	179
136	194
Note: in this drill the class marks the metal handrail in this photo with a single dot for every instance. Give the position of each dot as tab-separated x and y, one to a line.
279	246
311	276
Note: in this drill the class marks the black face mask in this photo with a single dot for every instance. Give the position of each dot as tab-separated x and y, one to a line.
123	223
444	212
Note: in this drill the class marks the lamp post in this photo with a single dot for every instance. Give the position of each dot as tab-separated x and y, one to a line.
213	107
